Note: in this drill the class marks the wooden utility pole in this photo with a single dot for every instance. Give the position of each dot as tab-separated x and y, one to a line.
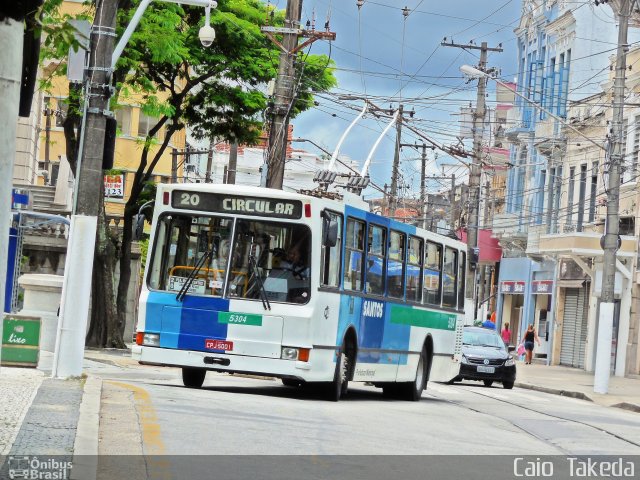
475	170
90	182
285	87
395	171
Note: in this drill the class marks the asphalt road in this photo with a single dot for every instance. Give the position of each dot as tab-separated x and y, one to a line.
147	410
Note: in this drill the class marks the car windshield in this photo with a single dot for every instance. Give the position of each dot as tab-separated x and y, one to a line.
482	339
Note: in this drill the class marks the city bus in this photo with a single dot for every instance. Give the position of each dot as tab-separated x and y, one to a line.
306	287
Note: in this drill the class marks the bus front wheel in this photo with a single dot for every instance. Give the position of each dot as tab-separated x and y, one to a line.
338	388
193	377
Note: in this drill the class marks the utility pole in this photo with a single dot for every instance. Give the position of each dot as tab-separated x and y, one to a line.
475	167
610	240
174	165
423	179
395	171
207	175
286	84
423	186
452	201
233	163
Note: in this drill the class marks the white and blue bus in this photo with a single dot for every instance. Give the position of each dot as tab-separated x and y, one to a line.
300	287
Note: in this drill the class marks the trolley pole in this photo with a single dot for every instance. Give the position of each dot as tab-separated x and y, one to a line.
611	238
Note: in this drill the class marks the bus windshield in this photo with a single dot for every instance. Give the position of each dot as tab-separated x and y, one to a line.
182	243
264	259
274	255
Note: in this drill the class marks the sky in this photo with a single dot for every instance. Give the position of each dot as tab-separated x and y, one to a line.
391	58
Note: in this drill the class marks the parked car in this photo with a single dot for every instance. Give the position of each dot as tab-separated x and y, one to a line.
486	358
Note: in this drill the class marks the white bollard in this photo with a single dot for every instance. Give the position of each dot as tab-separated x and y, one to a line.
76	294
603	352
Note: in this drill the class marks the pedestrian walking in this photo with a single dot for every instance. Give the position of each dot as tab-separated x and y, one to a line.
506	333
530	337
488	323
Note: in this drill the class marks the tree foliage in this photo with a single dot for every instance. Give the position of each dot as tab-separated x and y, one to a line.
217	92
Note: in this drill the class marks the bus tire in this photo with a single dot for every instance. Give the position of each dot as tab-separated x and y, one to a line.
338	388
193	377
412	391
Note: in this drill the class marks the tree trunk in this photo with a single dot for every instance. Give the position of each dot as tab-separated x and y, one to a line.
105	329
125	266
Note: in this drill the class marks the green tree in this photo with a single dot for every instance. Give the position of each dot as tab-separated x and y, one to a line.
219	92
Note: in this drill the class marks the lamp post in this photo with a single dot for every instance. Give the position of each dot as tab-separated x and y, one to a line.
76	289
609	246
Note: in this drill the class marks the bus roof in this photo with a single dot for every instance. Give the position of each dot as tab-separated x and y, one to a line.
349	198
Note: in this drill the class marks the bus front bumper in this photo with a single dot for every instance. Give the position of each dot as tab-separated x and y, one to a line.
273	367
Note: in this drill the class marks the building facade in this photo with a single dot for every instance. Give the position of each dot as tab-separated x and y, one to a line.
558	66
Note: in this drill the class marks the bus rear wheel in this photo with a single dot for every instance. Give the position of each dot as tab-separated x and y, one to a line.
412	391
193	377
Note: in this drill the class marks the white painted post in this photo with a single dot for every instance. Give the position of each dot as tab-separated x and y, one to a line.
76	293
603	355
11	34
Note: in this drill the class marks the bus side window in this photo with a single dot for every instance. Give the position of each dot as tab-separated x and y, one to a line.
449	278
354	255
432	274
376	254
331	256
461	279
396	264
414	269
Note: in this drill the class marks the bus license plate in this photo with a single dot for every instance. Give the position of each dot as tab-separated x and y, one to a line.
483	369
218	345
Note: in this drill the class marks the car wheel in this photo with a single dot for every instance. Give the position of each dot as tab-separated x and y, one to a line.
193	377
488	383
507	385
412	391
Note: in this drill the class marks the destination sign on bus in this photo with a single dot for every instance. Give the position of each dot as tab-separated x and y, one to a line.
238	204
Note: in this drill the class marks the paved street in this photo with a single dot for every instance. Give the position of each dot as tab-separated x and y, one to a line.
247	416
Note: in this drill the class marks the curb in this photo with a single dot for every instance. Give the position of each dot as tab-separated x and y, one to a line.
632	407
554	391
85	447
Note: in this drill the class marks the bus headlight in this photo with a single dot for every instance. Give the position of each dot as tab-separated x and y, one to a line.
291	353
148	339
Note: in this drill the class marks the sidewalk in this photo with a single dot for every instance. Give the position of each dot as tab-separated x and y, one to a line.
574	382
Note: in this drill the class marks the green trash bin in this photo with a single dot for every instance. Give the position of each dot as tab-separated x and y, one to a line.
20	341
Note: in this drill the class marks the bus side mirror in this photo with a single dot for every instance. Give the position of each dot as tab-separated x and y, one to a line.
330	237
138	226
